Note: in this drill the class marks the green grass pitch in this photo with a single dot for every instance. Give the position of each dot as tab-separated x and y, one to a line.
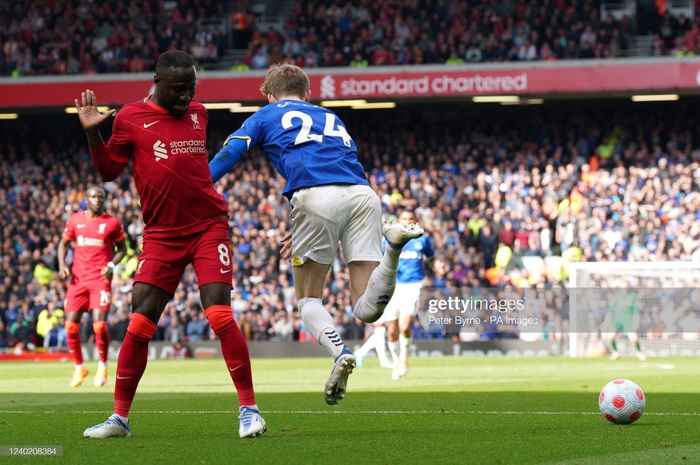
445	411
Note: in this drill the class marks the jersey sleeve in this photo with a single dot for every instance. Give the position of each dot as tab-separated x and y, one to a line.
119	147
111	159
117	230
428	248
235	146
69	229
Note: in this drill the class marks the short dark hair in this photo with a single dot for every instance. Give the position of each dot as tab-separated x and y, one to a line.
173	59
96	187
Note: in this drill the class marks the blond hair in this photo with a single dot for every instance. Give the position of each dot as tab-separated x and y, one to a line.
285	80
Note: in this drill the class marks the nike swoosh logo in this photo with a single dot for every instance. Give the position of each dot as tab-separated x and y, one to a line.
124	377
148	125
234	369
222	271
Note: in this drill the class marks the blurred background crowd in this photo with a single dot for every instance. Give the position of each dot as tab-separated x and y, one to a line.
509	196
49	37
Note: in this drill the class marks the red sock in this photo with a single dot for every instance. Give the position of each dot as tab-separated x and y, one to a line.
73	341
101	339
235	350
132	361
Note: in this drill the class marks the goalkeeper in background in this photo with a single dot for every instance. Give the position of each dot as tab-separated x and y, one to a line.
623	317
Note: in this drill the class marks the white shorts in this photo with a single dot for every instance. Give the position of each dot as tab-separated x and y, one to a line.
404	302
324	215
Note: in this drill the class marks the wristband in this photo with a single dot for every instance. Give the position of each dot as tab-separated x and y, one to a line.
111	265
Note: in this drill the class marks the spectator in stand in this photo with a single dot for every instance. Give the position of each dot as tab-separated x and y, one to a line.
259	59
242	24
21	333
3	336
87	332
118	324
48	319
175	331
49	45
239	66
198	328
179	351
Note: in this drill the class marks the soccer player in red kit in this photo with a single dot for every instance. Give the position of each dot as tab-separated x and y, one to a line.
94	235
186	221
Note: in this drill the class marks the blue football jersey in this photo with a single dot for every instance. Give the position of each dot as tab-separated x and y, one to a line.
308	145
411	260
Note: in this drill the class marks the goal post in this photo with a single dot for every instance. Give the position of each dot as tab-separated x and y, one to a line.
659	301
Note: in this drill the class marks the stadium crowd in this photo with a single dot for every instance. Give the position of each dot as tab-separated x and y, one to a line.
70	37
81	37
508	197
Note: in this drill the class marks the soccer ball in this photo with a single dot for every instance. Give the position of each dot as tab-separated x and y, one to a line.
622	401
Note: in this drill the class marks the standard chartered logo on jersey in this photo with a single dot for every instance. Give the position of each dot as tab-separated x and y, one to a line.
188	146
89	241
178	147
160	151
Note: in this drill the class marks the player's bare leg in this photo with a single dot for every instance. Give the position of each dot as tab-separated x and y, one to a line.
394	347
634	339
614	354
405	339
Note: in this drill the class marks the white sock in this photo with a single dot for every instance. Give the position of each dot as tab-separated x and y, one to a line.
80	367
320	324
380	287
254	407
369	344
380	344
394	350
101	365
404	344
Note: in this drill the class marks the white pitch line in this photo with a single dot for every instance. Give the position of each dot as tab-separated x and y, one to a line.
333	412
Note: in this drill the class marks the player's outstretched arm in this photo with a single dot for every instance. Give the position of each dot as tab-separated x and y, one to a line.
91	119
233	150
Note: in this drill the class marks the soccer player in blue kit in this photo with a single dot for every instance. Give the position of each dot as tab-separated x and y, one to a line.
331	201
401	309
399	313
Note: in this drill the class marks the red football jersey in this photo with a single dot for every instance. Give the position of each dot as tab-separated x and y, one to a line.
171	167
93	244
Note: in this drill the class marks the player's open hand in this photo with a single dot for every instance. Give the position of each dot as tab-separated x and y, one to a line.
90	116
286	250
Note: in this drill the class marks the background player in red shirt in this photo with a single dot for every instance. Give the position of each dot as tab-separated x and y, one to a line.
94	235
186	221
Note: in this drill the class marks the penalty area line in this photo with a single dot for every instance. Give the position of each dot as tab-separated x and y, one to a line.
332	412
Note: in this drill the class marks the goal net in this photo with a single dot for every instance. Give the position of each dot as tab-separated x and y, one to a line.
657	301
